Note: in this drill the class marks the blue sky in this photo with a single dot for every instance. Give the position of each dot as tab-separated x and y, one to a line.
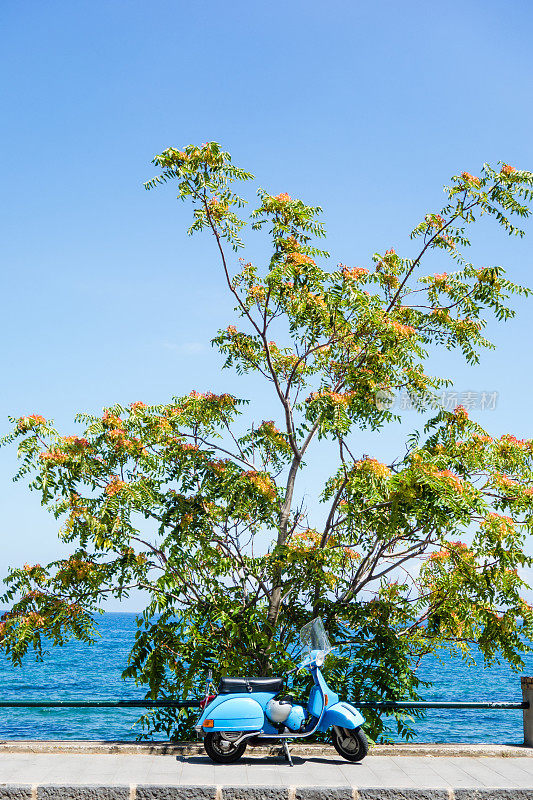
364	108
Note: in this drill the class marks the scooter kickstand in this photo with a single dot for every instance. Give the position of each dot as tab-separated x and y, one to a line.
287	753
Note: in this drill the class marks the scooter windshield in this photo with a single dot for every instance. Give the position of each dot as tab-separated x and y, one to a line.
314	637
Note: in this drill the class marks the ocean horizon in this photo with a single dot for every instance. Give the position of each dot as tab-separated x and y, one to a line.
77	671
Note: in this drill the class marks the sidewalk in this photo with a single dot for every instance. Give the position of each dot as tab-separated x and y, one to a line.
89	776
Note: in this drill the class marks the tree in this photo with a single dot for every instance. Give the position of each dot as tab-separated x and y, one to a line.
406	559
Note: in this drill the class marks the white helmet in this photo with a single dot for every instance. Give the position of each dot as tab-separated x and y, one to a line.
278	710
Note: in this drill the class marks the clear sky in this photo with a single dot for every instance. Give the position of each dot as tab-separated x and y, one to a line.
366	108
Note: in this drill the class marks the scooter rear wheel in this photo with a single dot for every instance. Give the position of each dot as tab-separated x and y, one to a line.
222	751
350	744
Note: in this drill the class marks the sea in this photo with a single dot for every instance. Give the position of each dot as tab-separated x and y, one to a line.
80	672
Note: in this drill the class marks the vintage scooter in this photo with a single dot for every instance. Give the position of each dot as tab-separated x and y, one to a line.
254	710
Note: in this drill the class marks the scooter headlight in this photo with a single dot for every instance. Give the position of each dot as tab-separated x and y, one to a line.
320	658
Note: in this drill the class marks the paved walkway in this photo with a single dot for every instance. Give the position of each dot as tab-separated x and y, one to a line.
401	772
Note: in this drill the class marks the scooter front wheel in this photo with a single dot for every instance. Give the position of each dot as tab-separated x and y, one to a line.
222	750
351	744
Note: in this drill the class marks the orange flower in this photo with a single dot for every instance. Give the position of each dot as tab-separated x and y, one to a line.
111	420
283	197
116	433
372	466
402	330
478	437
298	259
349	553
25	423
461	413
74	609
256	292
218	466
290	243
35	619
453	479
447	240
441	555
53	457
304	541
268	426
504	481
262	482
138	405
466	176
75	441
507	169
223	400
190	448
175	411
509	439
499	523
114	486
434	220
336	397
494	516
353	274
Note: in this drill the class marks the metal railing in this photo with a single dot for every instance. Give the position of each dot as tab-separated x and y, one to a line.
490	704
526	706
383	705
99	704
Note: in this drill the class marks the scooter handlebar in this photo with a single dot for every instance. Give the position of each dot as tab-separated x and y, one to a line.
308	660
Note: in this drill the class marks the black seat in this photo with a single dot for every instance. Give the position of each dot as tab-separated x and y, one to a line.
240	685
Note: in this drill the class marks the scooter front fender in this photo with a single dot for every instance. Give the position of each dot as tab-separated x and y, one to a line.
342	714
233	714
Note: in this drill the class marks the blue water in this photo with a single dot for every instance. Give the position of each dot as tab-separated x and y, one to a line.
79	672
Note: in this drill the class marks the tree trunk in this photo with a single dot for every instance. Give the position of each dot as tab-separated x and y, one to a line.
284	516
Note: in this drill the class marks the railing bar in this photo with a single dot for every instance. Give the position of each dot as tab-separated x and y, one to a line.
466	705
383	705
99	704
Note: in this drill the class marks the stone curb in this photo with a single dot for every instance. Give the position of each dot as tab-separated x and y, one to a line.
196	748
60	792
133	792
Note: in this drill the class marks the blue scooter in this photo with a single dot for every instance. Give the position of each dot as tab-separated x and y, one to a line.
254	711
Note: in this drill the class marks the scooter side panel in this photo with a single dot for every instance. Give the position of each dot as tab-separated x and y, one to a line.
237	714
342	714
234	713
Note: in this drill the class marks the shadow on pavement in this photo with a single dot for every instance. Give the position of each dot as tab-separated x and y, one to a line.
274	759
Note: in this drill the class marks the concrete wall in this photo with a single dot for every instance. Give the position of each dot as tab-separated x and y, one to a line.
134	792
